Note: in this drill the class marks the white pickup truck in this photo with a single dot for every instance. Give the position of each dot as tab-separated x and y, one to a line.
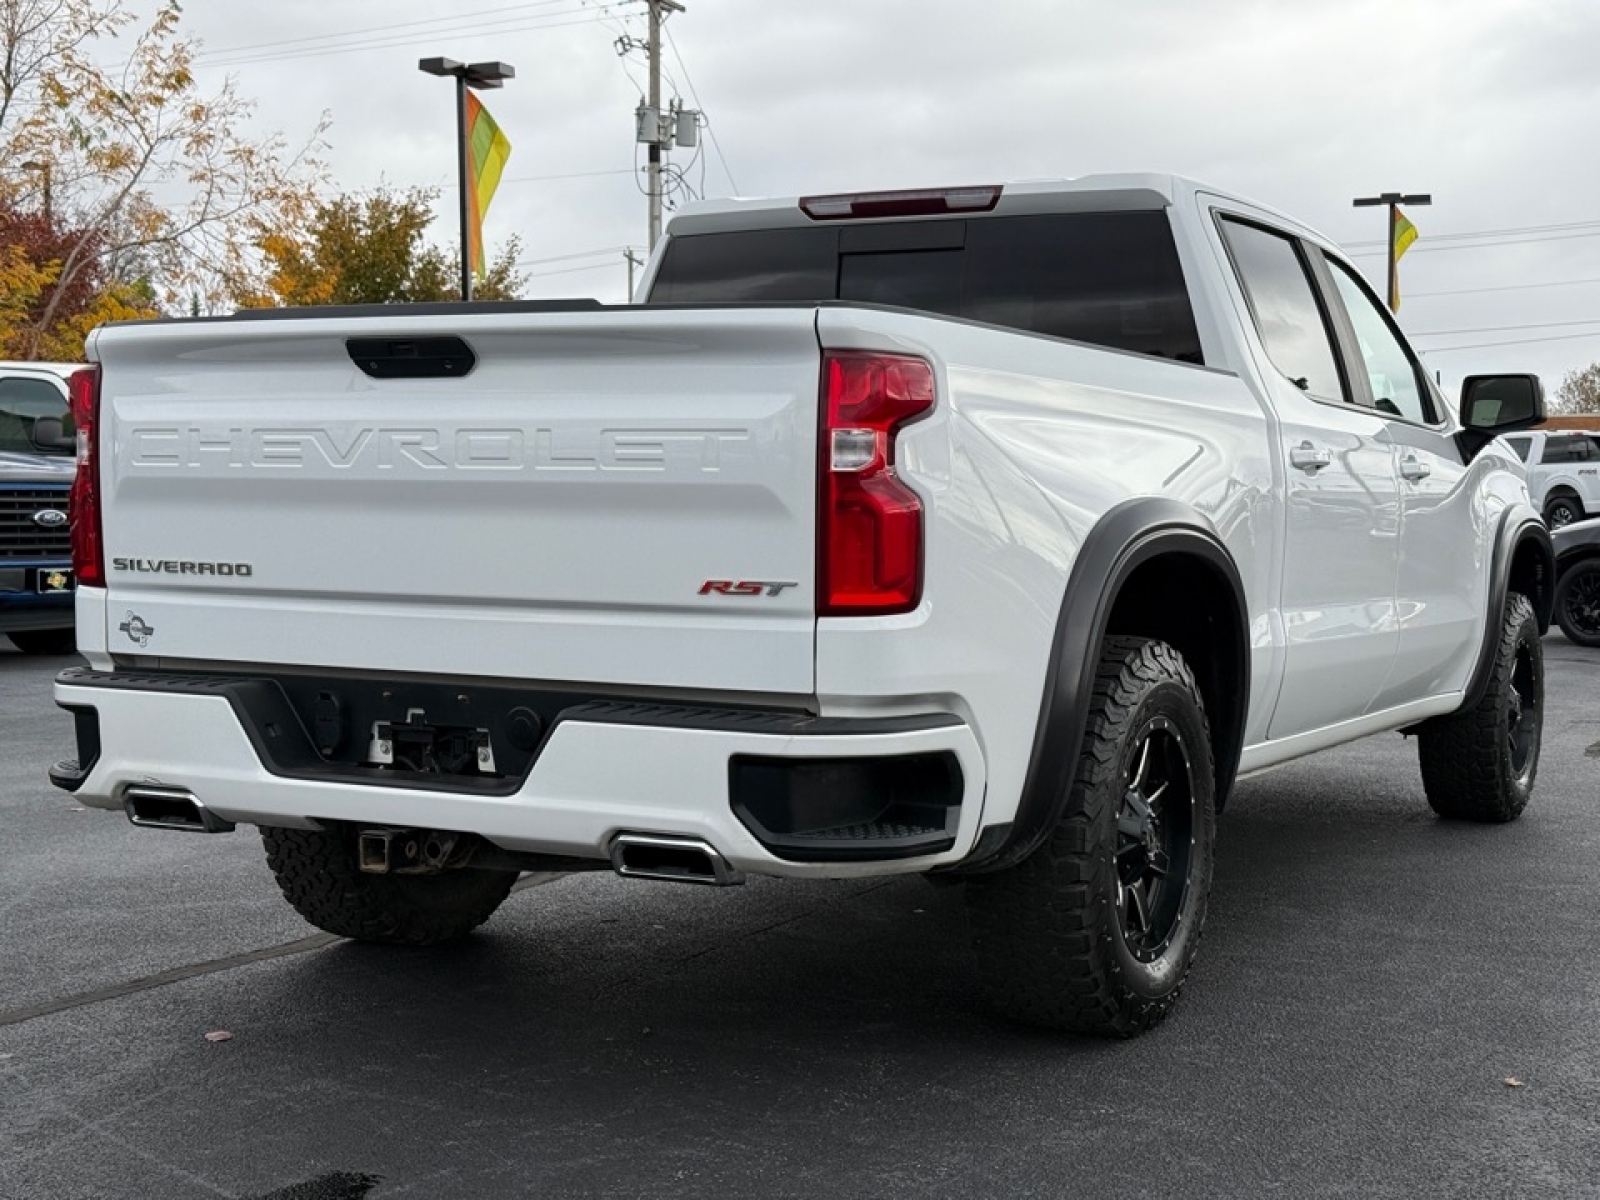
987	533
1563	473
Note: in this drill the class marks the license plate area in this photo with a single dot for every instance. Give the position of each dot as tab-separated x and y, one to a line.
416	744
53	581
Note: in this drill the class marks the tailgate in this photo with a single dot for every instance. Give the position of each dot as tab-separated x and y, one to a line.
554	515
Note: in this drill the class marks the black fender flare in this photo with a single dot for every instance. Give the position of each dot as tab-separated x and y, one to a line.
1519	526
1129	535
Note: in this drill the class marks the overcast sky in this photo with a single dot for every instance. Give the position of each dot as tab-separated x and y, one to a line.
1493	106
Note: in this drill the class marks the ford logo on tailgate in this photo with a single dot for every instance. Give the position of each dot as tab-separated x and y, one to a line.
50	518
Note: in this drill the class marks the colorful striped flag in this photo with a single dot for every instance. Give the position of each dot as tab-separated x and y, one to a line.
487	150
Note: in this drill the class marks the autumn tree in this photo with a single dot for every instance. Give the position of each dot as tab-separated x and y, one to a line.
86	146
32	250
1580	391
369	249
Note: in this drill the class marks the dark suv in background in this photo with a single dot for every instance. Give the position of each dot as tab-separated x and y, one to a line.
36	465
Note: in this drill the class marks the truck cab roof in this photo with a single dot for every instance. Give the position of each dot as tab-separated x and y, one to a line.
1110	192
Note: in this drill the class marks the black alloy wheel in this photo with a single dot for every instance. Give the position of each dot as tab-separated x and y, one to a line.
1523	718
1562	510
1096	930
1578	603
1479	762
1155	838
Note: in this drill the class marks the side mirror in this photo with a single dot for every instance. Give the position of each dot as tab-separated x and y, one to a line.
1496	404
50	434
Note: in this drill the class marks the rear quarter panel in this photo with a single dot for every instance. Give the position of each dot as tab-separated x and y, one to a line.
1033	440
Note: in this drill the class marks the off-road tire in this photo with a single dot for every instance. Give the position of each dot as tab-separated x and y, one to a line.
316	869
1479	764
1050	935
44	642
1562	509
1576	596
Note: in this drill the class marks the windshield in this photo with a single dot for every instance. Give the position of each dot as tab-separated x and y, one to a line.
24	401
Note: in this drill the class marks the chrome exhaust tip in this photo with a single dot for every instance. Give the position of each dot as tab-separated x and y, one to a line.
675	859
170	808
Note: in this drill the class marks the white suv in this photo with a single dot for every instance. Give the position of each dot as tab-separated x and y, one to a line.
1563	473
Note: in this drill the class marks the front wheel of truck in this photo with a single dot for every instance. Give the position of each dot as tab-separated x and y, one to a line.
1478	764
1095	931
317	871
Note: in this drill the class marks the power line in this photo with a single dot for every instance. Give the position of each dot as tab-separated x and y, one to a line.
548	178
1419	248
1507	328
1481	233
611	266
1507	287
402	40
227	51
1563	337
715	145
533	262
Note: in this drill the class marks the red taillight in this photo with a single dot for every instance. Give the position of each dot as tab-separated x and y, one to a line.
869	529
88	552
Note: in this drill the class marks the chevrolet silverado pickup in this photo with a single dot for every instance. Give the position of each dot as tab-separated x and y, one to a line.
985	533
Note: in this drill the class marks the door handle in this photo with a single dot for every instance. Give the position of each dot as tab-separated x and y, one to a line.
1307	457
1414	468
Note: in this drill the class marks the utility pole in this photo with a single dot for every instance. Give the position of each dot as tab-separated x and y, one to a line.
633	261
1393	200
653	171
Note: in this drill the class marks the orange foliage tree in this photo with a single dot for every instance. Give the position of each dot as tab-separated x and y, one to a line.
83	149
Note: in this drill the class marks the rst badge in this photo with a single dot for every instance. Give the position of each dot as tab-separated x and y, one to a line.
743	587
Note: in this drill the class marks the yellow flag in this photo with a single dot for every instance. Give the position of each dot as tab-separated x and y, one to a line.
1404	234
488	150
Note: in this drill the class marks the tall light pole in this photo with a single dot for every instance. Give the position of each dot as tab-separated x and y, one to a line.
1393	200
467	75
44	169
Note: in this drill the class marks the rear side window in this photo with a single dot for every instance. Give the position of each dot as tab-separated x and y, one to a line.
1567	450
1521	445
1109	279
1285	309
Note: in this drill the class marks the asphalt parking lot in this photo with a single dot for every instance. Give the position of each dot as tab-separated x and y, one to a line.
1385	1005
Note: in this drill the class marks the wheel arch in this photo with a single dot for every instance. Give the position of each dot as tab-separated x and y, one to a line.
1562	489
1137	558
1524	561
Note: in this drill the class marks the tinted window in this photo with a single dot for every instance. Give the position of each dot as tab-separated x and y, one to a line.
1285	309
1521	445
1397	387
1566	450
790	265
1111	279
21	402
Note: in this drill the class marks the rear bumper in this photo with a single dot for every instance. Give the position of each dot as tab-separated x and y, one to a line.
26	602
602	769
